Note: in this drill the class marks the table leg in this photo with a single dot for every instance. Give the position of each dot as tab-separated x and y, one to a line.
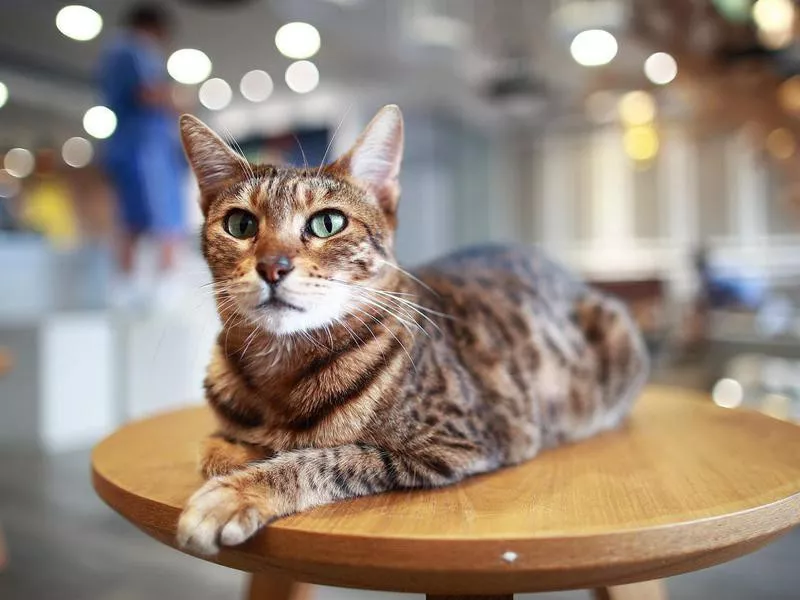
645	590
500	597
274	585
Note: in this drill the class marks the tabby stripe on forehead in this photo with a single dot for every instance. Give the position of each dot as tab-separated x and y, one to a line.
237	415
261	192
329	405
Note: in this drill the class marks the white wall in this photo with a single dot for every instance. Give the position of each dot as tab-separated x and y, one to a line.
716	191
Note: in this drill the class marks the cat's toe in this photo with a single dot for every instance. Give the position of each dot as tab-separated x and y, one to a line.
241	527
218	513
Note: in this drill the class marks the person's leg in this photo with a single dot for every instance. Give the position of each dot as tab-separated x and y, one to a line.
134	219
128	243
167	252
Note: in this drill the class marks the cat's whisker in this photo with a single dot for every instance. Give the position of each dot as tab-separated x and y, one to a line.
396	299
367	327
245	163
330	336
372	289
403	317
330	142
355	338
410	276
302	152
392	333
248	341
405	322
413	307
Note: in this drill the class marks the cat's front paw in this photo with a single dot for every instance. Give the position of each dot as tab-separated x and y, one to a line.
224	511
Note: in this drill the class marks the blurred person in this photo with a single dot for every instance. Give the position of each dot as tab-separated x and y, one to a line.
143	157
47	205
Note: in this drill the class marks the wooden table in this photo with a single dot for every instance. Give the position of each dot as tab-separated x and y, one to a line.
684	485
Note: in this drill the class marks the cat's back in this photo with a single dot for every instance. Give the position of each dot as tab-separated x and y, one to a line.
507	271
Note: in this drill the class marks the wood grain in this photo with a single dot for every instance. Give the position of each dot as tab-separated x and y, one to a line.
683	485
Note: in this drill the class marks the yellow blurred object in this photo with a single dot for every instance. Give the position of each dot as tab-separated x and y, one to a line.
789	95
637	108
641	142
6	361
781	143
47	208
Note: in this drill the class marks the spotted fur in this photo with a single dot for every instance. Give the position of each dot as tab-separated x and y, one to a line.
383	379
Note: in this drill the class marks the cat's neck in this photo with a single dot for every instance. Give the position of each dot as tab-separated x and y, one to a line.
385	308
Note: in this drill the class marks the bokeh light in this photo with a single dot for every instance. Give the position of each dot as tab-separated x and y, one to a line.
297	40
215	94
79	23
594	47
775	22
19	162
302	76
100	122
727	393
3	94
189	66
735	10
77	152
256	85
660	68
641	142
781	143
637	108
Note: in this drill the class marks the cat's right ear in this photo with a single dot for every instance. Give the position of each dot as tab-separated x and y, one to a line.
214	163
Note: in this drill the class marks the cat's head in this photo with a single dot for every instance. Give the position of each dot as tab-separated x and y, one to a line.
296	249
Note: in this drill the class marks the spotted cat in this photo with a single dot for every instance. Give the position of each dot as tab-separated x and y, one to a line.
338	374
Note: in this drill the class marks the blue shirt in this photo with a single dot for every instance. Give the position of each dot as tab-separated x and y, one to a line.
128	65
143	156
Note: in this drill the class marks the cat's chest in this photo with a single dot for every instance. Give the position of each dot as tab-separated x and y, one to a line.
279	433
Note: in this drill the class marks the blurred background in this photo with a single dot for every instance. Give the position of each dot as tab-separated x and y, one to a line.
651	145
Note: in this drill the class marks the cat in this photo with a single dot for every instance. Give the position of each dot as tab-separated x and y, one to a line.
338	374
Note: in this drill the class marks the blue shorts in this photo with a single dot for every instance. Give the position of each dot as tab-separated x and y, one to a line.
148	183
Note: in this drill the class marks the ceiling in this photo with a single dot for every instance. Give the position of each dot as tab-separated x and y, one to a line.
516	48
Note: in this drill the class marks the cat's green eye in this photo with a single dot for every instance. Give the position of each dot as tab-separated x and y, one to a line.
326	223
241	224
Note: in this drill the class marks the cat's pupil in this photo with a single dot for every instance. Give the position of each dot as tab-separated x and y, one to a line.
328	223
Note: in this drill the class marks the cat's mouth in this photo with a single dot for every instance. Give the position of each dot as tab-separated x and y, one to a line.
274	302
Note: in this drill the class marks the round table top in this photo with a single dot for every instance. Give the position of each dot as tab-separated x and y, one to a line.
682	485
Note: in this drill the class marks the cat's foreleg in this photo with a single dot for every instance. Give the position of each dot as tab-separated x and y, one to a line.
230	508
220	455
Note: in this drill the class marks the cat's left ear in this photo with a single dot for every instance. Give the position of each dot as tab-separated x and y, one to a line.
374	160
214	163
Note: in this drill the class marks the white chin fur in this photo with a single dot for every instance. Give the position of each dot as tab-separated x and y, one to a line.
317	312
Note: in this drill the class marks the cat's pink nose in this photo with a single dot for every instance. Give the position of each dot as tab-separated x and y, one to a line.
274	268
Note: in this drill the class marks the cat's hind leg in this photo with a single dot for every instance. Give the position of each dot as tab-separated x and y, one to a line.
621	360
